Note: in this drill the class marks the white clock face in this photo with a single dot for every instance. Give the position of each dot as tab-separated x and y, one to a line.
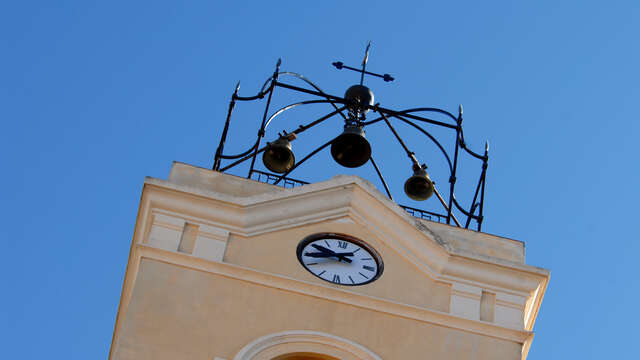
340	259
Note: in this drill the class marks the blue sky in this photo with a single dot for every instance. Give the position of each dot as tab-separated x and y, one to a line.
96	95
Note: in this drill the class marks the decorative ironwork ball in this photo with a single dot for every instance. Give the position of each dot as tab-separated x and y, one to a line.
360	96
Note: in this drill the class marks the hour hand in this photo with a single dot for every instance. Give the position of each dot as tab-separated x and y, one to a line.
340	256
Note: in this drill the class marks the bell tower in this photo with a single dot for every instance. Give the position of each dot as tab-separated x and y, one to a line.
265	266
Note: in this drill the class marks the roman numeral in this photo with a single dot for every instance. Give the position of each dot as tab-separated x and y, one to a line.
366	259
363	275
370	268
309	264
342	244
336	279
350	278
326	242
323	271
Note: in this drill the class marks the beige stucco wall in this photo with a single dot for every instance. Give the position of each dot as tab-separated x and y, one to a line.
275	252
179	313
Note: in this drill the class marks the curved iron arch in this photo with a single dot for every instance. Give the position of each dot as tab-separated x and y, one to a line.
406	116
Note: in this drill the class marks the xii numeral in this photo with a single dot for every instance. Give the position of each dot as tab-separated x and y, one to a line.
342	244
336	279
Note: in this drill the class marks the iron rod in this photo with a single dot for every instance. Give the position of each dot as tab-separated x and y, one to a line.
260	95
243	159
469	151
384	183
297	131
291	106
485	163
414	117
462	210
386	78
435	141
302	128
264	117
444	204
223	137
299	76
303	160
409	152
343	101
473	202
231	157
452	178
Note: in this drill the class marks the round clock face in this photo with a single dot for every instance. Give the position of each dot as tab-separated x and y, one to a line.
340	259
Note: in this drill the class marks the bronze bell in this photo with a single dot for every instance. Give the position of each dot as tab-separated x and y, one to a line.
278	156
419	187
351	149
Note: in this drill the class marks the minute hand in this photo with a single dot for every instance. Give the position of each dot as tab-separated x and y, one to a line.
326	254
329	251
340	256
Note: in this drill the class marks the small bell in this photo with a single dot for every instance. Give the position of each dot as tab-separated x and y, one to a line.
351	149
278	156
419	187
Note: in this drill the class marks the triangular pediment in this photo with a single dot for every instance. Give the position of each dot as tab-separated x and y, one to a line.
264	209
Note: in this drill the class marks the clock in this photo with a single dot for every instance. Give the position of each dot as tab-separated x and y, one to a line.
340	259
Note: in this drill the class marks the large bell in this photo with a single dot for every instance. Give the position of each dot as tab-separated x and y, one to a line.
351	149
278	156
419	187
359	97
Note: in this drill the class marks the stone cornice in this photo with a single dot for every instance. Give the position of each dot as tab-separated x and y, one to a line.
353	197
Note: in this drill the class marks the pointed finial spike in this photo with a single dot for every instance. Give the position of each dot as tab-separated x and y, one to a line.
279	62
237	87
366	54
460	109
486	146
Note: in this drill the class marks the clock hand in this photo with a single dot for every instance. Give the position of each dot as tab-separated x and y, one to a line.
324	254
340	256
322	248
344	254
318	255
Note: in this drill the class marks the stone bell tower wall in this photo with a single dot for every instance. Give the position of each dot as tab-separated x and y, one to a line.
212	271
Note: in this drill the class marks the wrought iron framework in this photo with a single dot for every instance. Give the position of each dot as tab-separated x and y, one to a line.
340	105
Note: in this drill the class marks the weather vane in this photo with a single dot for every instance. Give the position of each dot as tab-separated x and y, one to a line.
351	148
339	65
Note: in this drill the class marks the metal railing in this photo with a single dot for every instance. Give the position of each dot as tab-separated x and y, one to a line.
424	214
269	178
289	183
